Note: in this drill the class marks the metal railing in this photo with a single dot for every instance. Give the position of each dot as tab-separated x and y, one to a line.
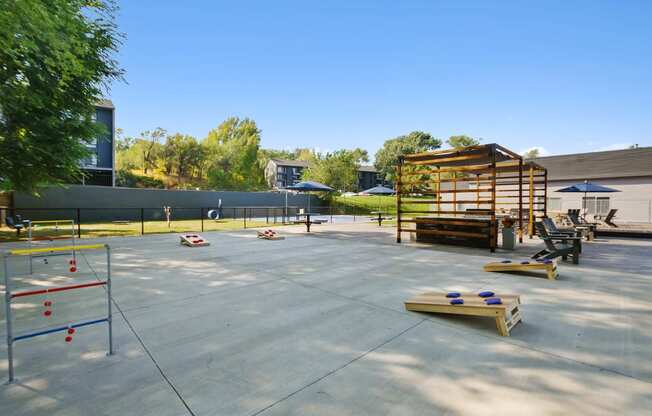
98	221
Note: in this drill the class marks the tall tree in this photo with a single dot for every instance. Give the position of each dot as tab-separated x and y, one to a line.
232	150
415	142
338	169
187	155
150	146
55	62
532	153
457	142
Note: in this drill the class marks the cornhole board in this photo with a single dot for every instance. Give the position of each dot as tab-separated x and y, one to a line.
269	235
507	315
518	266
193	240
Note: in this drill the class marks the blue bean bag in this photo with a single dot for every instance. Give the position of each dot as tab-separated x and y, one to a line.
486	294
506	261
493	301
548	261
457	301
453	294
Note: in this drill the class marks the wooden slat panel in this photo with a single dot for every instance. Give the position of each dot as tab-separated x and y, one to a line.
479	212
482	167
447	233
5	199
451	202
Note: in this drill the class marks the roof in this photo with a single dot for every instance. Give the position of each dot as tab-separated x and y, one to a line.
305	164
599	165
295	163
104	103
367	168
482	154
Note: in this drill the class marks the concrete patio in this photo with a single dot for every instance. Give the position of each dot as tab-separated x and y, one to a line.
315	325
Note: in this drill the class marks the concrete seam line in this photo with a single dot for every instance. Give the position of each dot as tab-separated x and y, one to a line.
142	343
330	373
471	332
543	352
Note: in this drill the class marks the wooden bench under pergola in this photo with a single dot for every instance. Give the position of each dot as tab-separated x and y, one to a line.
464	192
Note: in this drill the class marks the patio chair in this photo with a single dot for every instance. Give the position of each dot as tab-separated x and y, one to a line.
552	229
570	246
15	223
609	218
580	224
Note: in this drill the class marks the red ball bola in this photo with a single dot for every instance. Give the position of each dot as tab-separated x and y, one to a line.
71	331
47	303
68	338
73	269
47	313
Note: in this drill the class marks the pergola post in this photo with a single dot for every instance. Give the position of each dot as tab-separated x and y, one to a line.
494	229
399	189
531	195
520	201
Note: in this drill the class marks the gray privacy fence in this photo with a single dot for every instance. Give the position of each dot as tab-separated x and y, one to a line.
133	221
101	203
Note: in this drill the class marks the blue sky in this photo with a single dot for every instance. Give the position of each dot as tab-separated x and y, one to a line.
568	76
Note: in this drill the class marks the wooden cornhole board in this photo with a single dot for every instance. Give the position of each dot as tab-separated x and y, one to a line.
193	240
269	235
506	315
517	266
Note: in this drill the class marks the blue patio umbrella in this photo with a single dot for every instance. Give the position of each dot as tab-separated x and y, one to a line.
379	190
310	186
587	187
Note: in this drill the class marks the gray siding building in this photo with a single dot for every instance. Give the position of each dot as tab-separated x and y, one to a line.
281	173
99	167
629	171
368	177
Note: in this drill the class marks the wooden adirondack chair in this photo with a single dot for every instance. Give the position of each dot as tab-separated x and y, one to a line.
552	229
609	218
571	246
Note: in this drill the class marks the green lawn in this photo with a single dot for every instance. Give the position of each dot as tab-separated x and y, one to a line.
366	204
134	228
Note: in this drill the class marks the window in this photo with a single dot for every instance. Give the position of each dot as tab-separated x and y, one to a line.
595	205
602	205
91	160
554	204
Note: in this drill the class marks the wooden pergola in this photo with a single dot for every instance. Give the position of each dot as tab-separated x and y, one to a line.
464	191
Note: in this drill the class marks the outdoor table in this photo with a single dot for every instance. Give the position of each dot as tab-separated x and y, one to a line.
380	217
307	221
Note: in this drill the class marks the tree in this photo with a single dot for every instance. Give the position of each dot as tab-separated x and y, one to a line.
339	169
55	62
150	144
415	142
305	154
182	155
232	151
532	153
458	142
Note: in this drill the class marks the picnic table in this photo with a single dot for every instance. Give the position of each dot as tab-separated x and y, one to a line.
308	222
378	216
